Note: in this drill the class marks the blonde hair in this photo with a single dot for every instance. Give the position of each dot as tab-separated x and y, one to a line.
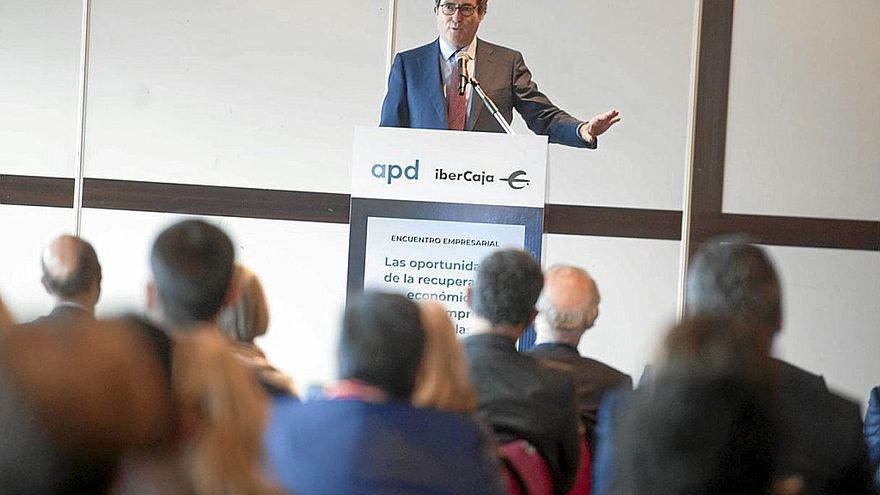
226	410
248	316
442	381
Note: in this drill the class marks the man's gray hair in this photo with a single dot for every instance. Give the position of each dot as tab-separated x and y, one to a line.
568	323
565	321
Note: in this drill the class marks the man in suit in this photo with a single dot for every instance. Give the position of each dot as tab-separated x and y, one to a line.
365	436
821	444
72	276
423	85
820	431
567	308
518	396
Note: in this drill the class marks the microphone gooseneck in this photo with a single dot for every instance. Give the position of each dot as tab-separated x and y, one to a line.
462	74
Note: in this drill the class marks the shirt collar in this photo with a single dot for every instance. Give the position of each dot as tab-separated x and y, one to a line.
71	304
355	390
557	345
447	50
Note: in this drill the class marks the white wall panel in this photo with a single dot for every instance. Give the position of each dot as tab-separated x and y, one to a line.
831	315
302	266
804	111
39	63
251	94
588	57
637	281
28	229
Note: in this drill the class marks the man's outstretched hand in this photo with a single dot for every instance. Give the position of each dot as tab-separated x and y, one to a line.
599	124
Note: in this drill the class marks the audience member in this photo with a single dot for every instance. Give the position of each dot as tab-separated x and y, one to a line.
872	433
223	413
192	265
365	437
72	276
704	427
820	432
442	381
568	307
78	401
245	319
517	396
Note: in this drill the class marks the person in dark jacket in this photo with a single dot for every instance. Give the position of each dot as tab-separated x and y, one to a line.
820	432
518	396
567	308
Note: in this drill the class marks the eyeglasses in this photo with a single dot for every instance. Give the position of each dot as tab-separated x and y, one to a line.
450	8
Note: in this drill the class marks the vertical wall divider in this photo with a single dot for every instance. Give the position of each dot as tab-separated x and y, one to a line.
684	254
79	165
391	44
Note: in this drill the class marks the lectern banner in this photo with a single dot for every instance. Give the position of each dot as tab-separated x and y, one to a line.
427	206
449	167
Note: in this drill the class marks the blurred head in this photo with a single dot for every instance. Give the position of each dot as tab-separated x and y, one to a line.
714	343
93	391
71	271
382	342
192	264
160	342
568	306
506	287
442	381
223	411
698	431
459	27
247	316
735	280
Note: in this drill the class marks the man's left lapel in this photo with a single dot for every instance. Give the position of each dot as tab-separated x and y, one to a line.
485	74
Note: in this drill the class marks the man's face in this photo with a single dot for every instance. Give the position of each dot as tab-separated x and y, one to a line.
458	29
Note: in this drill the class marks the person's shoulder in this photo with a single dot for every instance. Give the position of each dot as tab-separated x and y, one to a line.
451	421
420	51
551	375
791	375
494	48
606	370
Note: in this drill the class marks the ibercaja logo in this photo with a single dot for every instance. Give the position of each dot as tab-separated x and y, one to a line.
516	180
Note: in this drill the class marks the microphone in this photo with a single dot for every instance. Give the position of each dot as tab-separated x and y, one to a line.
463	76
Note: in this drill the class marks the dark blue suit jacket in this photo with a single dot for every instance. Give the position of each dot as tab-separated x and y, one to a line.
415	94
350	447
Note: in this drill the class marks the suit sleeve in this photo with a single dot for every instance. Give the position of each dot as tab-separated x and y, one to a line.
395	110
539	113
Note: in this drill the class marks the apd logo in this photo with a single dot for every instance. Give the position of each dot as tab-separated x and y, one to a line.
517	180
391	172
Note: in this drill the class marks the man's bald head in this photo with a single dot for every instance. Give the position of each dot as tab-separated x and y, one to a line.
71	271
568	306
